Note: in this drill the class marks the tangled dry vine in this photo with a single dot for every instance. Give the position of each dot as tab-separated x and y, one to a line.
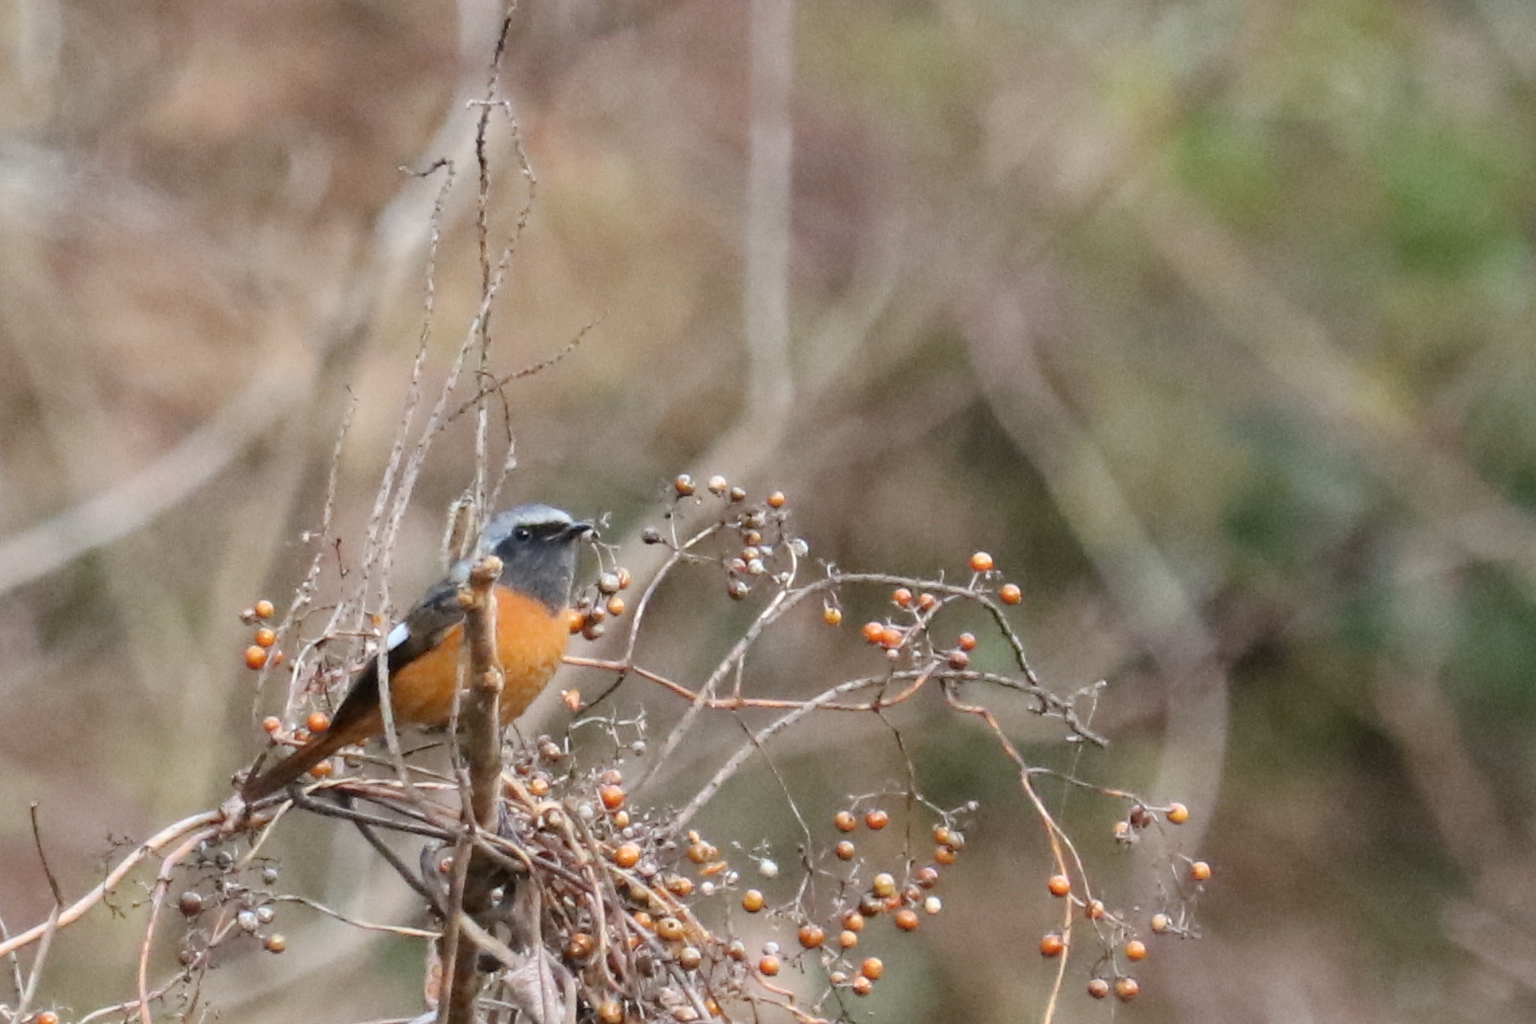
582	901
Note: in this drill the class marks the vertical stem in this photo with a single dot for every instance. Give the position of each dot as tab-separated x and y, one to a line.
479	717
771	155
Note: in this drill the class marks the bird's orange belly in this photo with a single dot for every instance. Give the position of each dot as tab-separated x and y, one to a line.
529	642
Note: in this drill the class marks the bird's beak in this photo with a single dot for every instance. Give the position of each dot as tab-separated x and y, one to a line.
578	530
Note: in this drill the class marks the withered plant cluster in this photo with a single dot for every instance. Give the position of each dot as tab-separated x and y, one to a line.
549	891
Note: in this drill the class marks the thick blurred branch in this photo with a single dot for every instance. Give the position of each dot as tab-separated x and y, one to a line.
1160	611
1444	489
127	507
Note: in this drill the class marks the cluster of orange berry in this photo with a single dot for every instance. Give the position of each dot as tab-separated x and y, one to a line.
1125	987
894	638
658	880
759	555
883	895
315	722
590	610
260	650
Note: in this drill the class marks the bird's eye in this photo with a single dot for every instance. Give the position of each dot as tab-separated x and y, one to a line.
522	533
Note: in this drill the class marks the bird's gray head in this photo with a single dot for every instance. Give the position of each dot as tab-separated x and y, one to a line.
537	547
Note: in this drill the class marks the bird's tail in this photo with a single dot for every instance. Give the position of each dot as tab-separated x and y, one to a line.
259	787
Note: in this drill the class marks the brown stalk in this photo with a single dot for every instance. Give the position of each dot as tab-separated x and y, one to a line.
480	744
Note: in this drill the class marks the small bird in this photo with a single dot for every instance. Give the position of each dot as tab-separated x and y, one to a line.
537	547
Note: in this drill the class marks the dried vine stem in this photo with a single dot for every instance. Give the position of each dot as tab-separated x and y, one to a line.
479	717
80	907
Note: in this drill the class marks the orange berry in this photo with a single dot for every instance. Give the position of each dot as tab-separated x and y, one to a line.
902	597
812	936
718	484
1059	885
776	499
689	958
874	632
1160	923
318	721
625	579
263	609
906	919
323	770
1098	988
575	621
862	986
1009	593
683	485
1178	814
572	700
47	1017
611	1012
1126	989
877	819
927	602
265	637
959	660
845	821
967	641
1052	944
768	965
847	938
831	615
1200	871
853	921
272	724
274	944
644	920
872	968
944	855
884	885
892	638
927	877
669	928
627	855
752	901
845	850
1135	950
611	796
278	657
615	605
680	886
1094	910
981	562
580	946
255	657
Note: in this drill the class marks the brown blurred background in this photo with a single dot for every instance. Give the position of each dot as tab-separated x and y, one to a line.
1211	320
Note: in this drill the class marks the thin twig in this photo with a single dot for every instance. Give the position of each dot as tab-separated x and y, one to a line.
151	846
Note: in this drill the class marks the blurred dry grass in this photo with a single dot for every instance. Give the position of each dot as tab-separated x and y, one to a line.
1213	320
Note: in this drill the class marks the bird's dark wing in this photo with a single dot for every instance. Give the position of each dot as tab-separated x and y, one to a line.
422	630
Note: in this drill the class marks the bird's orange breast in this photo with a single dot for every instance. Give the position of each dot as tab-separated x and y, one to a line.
529	641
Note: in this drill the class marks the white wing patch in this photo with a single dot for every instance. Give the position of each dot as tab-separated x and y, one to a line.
396	636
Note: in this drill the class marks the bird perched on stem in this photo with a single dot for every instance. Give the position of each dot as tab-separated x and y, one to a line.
537	547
